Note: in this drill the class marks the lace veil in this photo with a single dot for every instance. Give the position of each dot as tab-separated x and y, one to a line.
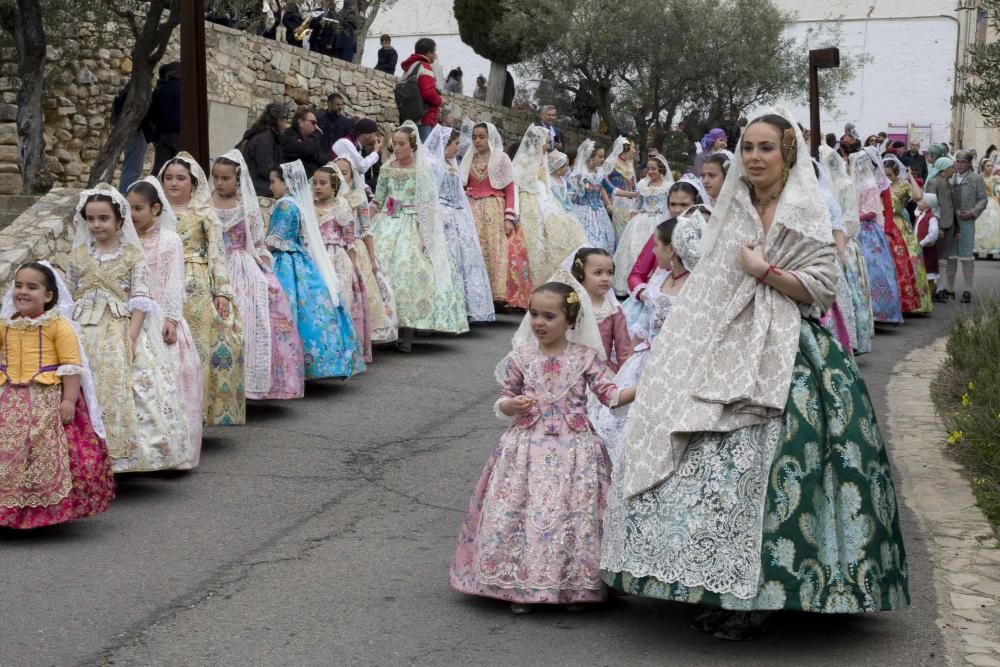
835	169
64	306
201	194
301	192
253	219
500	169
612	162
528	159
127	233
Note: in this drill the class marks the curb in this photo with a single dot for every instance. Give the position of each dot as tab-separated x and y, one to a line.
960	541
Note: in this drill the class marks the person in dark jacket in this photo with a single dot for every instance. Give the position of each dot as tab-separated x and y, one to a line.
135	148
301	142
346	41
333	123
363	147
914	160
324	28
387	56
292	18
165	115
424	55
261	146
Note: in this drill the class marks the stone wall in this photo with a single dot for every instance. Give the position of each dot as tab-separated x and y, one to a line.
245	73
44	231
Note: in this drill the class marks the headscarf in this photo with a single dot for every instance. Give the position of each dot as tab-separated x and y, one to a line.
711	136
686	240
730	342
64	307
557	160
865	177
201	194
437	142
904	173
611	163
937	151
500	169
931	200
127	234
938	166
583	155
835	169
696	183
246	199
528	159
876	157
301	193
465	138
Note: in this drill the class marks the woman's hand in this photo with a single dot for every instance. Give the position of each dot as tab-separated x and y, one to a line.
222	306
170	332
67	410
752	260
508	227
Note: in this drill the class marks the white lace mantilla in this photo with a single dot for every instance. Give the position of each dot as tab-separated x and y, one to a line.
703	526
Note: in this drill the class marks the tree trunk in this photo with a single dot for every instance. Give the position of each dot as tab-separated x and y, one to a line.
498	79
362	36
29	37
150	45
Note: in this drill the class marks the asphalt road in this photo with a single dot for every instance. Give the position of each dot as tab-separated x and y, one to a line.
321	534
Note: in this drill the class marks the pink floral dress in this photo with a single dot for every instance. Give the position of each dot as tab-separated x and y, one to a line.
532	533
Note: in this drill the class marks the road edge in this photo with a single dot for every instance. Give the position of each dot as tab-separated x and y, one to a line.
960	541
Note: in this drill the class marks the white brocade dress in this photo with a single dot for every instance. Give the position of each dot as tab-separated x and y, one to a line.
463	247
651	206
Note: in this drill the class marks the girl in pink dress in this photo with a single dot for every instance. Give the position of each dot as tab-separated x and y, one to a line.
595	270
273	356
532	533
156	225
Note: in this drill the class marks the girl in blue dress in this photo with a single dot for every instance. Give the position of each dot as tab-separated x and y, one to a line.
303	267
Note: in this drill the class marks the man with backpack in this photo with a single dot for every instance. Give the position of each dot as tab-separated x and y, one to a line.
417	92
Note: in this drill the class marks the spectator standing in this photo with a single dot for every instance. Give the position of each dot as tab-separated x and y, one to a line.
363	147
301	142
332	123
480	93
387	56
135	148
508	91
939	184
915	161
261	146
969	199
547	119
346	42
422	59
291	19
165	114
453	82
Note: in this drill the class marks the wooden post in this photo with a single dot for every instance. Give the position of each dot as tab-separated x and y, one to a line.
194	82
818	59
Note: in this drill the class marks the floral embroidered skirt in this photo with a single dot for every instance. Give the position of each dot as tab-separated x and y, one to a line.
630	244
49	473
796	513
422	301
187	367
467	256
916	256
220	347
596	224
353	294
329	342
506	256
884	288
532	532
382	317
909	296
861	325
987	238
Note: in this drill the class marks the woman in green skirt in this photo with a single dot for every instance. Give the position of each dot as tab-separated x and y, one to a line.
754	477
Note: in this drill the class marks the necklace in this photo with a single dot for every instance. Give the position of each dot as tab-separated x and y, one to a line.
763	205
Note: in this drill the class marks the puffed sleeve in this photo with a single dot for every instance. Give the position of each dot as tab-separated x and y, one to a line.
381	191
512	379
509	200
217	257
67	347
622	340
601	381
139	294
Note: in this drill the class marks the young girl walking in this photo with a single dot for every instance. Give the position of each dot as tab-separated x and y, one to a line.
677	248
382	318
533	528
590	199
54	465
307	276
595	270
650	210
409	237
336	225
620	184
459	225
208	305
488	176
272	348
156	225
121	330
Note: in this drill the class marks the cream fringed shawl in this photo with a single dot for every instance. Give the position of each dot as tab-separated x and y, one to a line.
724	357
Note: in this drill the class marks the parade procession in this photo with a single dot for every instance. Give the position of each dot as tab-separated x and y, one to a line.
638	348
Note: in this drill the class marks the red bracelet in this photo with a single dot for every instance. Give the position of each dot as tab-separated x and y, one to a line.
770	268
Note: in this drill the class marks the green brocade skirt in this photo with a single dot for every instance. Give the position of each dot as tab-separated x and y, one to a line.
820	522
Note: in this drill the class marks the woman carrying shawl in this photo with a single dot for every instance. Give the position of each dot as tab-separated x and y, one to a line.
754	474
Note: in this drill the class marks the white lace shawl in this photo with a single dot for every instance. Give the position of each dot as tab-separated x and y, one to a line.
301	193
835	169
64	307
724	359
250	213
500	168
529	158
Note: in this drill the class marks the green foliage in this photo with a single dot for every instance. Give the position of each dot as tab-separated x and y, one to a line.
511	31
967	395
708	61
983	90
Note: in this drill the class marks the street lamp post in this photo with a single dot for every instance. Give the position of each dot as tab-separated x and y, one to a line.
194	82
818	59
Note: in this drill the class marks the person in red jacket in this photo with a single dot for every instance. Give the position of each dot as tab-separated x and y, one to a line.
425	53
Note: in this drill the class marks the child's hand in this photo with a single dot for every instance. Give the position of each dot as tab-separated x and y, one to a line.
517	405
169	332
626	396
508	227
67	410
222	306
